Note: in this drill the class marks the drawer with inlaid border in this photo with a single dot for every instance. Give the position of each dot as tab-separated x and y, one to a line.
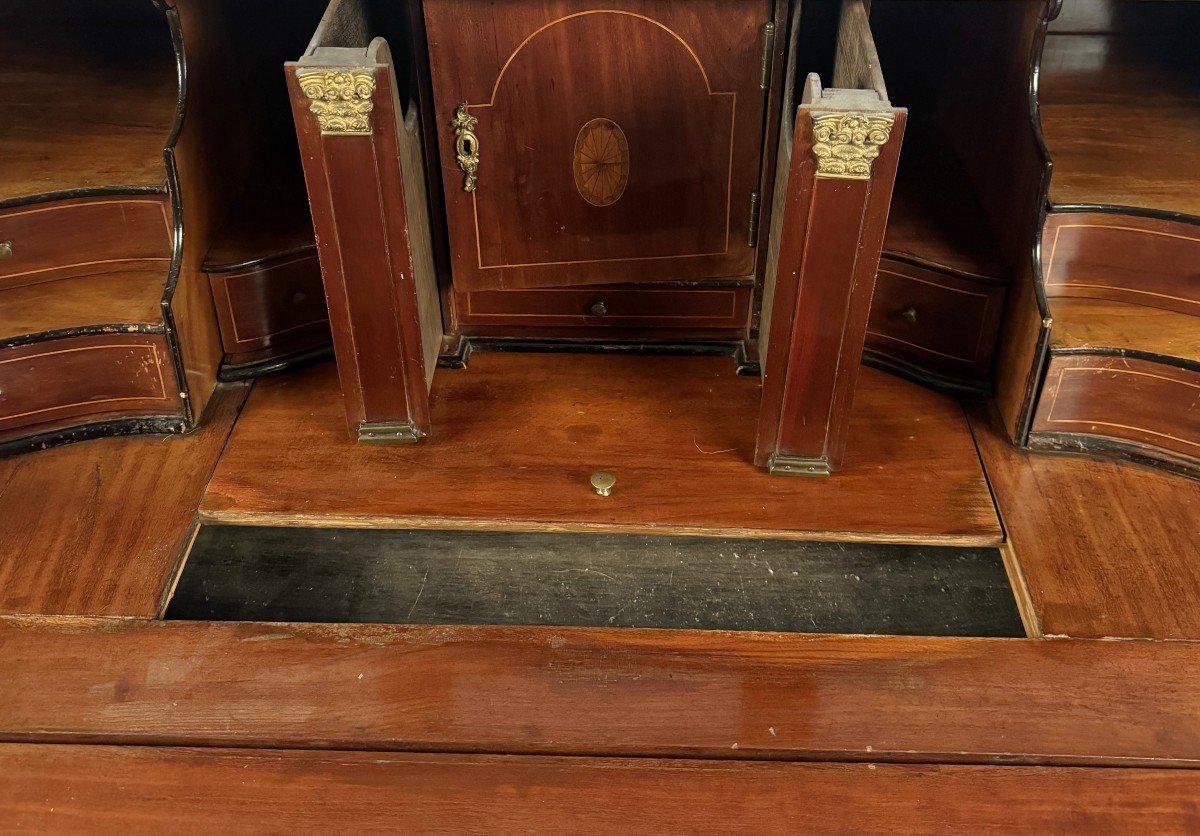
1101	255
938	322
49	241
1122	406
602	309
76	380
278	303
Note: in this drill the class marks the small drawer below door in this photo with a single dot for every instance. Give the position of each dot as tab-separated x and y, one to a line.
941	323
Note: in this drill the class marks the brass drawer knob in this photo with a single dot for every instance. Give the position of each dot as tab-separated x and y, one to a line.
599	309
602	482
5	249
910	314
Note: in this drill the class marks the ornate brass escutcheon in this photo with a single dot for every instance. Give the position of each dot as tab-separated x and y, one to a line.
466	145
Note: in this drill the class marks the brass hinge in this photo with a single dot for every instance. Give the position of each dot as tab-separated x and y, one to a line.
752	235
768	47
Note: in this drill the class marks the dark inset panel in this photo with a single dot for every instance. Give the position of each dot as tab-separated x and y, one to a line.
244	573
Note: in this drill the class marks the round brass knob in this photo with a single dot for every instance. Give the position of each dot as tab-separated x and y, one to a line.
602	482
599	309
910	314
6	249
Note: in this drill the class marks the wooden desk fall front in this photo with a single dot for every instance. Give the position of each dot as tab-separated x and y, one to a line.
652	172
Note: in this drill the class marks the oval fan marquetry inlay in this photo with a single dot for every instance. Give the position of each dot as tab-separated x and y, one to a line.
601	162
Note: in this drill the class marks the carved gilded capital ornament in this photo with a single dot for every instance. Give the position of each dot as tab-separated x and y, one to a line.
845	144
341	99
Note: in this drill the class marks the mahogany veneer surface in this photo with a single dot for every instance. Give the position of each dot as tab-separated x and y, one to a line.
120	298
516	436
1098	323
537	690
1101	155
74	789
1119	110
1106	549
50	385
85	105
1148	409
96	528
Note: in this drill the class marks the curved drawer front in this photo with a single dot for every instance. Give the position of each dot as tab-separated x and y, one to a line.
77	380
936	321
278	304
600	309
1145	261
1122	398
47	241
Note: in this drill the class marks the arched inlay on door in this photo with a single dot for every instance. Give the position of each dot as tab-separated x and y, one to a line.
601	162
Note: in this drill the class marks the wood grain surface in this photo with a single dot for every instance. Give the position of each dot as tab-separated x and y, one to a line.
609	311
101	789
1141	409
1110	94
684	94
126	297
88	97
536	690
98	527
86	236
276	306
1106	549
1102	324
84	379
1122	257
934	319
516	437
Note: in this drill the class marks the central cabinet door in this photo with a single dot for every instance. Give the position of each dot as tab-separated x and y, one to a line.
589	144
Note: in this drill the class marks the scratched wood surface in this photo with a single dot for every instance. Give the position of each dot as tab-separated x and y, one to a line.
516	436
100	789
534	690
98	527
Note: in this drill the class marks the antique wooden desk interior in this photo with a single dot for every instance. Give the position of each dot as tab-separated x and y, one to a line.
681	415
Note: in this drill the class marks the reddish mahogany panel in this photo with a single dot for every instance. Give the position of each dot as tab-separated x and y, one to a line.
277	304
90	235
1146	261
88	377
600	164
1149	405
934	320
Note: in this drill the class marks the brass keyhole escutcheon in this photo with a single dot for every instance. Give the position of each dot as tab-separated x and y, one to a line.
466	145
